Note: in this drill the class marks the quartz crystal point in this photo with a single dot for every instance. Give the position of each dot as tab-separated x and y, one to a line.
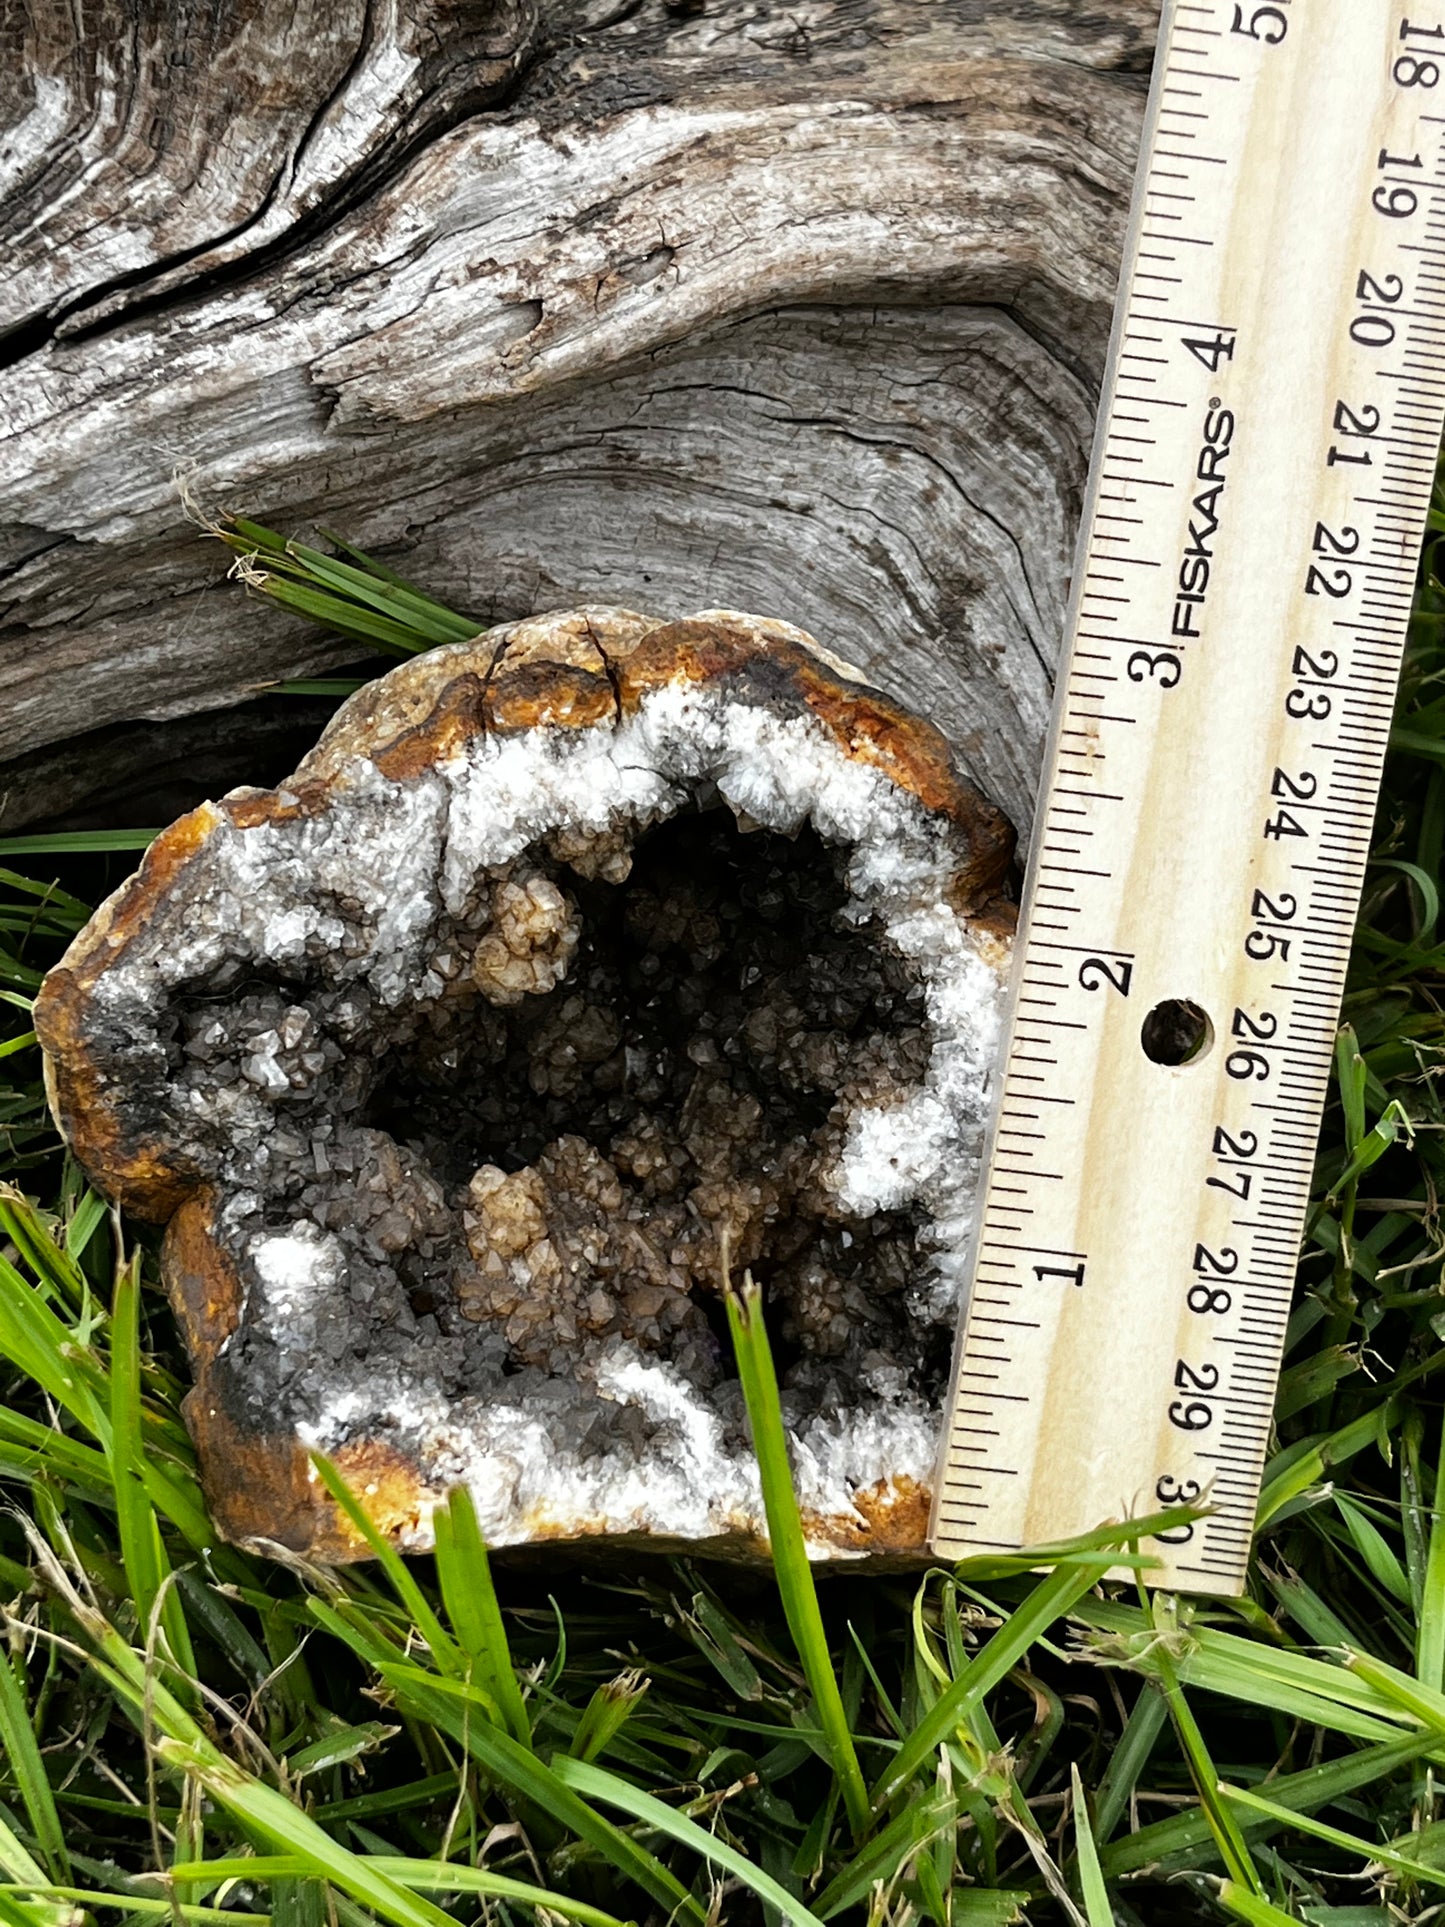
569	957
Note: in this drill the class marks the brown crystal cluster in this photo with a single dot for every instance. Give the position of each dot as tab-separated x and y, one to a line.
572	960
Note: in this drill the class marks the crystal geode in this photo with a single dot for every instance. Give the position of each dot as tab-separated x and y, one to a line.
570	957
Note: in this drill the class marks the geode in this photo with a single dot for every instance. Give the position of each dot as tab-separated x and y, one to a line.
573	961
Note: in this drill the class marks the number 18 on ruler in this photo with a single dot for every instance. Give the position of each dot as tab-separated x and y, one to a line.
1262	471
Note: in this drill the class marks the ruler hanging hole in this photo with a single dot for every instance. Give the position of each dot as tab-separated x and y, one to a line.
1176	1032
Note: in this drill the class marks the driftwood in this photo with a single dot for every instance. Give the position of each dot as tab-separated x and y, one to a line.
798	308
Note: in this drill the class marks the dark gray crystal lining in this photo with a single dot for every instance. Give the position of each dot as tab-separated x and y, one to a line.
498	1194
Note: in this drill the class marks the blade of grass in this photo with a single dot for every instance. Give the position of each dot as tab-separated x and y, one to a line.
123	1903
971	1907
599	1784
1049	1601
276	1818
785	1537
1251	1907
420	1876
605	1714
471	1602
1290	1681
56	1272
22	1750
404	587
1430	1636
443	1647
1128	1759
1228	1838
1383	1856
432	623
77	842
146	1566
16	1858
982	1567
1306	1462
885	1853
346	618
53	899
1091	1879
1316	1786
85	1221
1420	1702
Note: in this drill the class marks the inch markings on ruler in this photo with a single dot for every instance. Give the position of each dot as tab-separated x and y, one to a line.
1262	472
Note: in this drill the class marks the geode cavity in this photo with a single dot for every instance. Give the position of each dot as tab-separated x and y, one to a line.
571	958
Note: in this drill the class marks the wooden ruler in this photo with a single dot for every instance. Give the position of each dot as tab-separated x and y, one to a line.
1262	470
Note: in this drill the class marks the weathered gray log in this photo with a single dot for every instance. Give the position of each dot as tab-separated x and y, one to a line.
798	308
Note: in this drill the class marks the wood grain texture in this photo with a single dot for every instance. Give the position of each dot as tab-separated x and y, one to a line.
799	308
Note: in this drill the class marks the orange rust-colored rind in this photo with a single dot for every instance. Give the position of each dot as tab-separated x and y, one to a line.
263	1489
140	1172
412	701
541	696
578	670
204	1288
891	1516
458	716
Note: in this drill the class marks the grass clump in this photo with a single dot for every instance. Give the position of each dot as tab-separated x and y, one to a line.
196	1733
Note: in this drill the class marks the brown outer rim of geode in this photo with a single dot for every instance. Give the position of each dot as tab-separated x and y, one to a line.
573	670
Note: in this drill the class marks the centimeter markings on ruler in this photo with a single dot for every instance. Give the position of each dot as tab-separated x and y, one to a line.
1262	472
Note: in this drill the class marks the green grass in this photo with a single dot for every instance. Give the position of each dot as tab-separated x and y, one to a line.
195	1733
